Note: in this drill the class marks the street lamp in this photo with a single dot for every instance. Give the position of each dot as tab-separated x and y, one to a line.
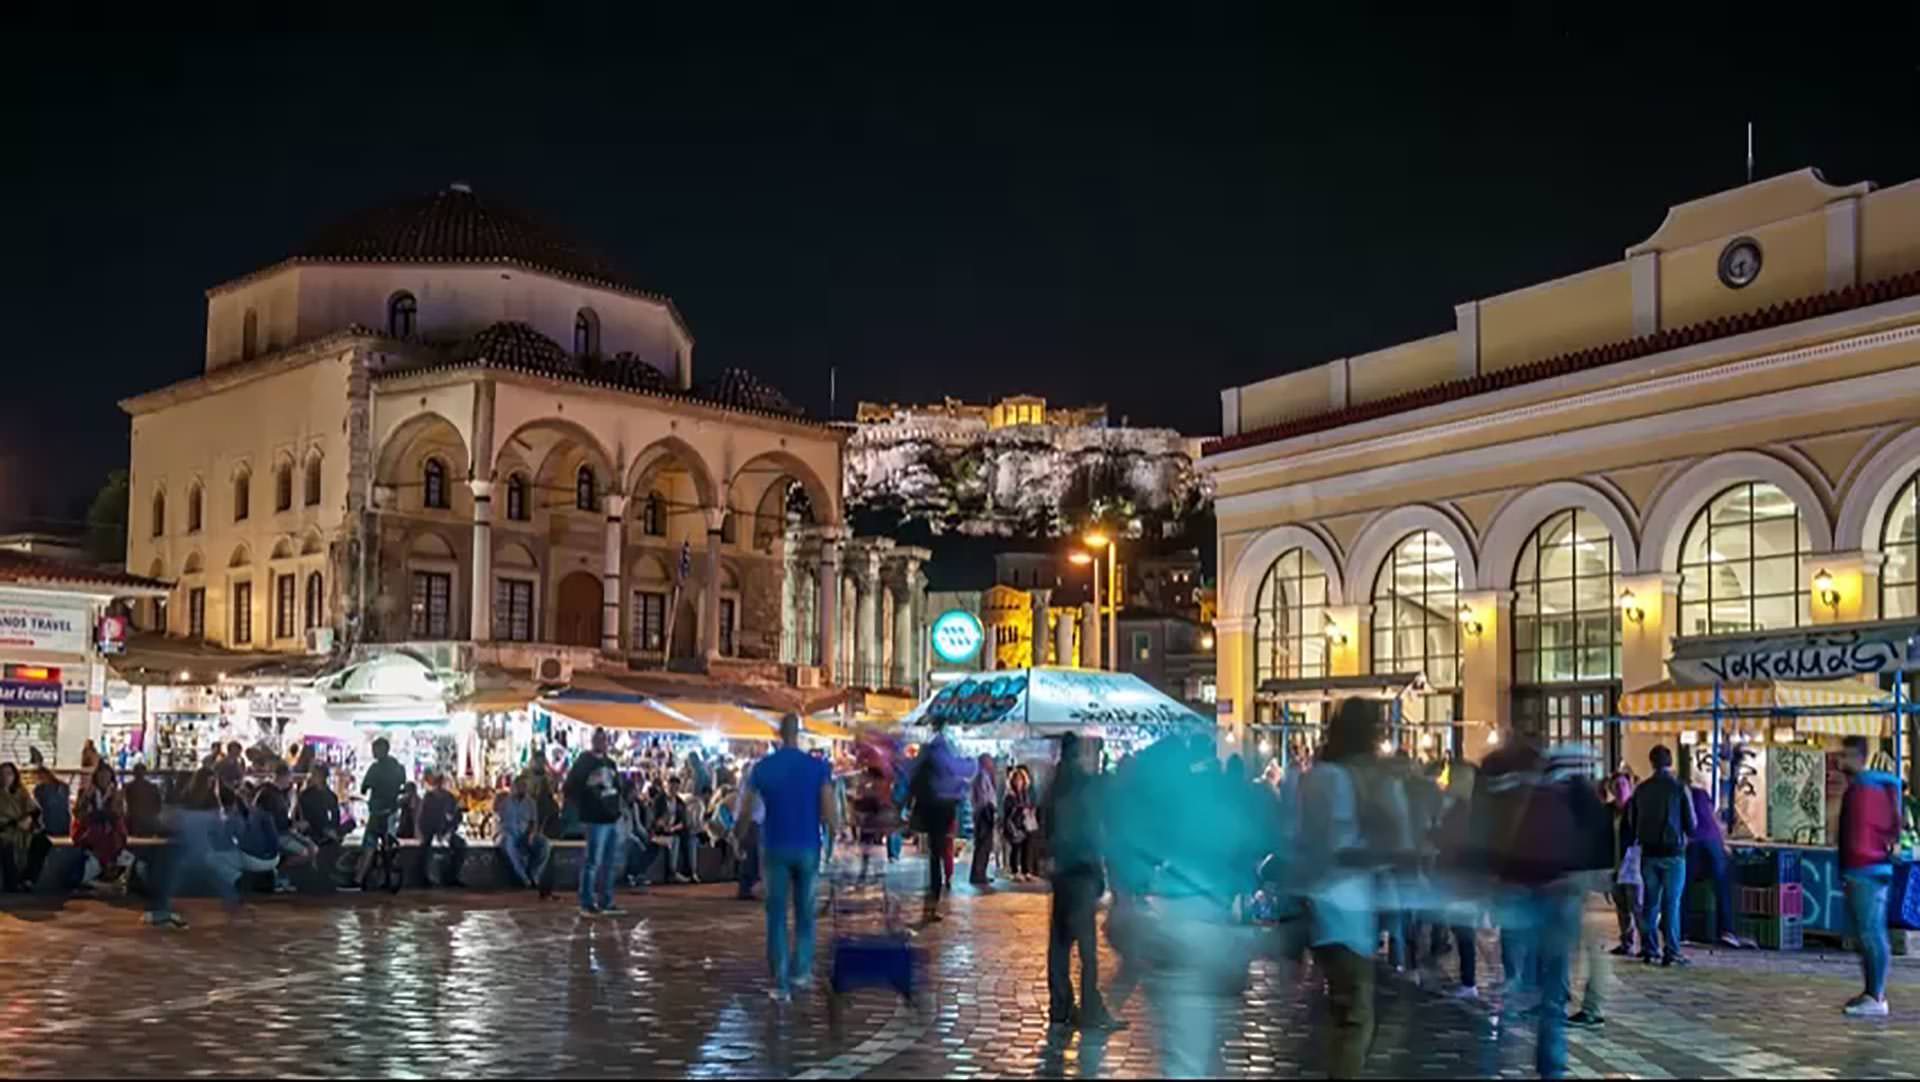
1096	541
1090	643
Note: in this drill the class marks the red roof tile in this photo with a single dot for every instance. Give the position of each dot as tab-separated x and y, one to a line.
25	568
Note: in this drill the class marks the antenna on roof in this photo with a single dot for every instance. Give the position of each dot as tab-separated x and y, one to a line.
833	391
1749	152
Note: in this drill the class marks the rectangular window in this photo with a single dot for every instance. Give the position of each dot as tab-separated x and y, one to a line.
283	591
1142	646
649	622
728	609
432	605
513	610
197	613
242	612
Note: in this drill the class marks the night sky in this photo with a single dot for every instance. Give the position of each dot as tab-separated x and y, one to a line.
1139	215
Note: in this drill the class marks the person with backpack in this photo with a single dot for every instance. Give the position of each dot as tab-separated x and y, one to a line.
1660	819
1869	829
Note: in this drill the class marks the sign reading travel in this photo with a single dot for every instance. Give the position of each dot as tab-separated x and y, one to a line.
957	636
39	627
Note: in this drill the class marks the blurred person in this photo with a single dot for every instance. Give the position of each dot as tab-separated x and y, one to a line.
749	817
1660	818
985	797
408	826
385	778
100	826
249	843
1707	860
592	789
1460	874
695	833
232	766
144	804
1074	821
521	838
24	845
320	809
440	817
636	825
1869	831
940	780
275	801
1618	792
55	801
796	791
195	827
1020	819
875	819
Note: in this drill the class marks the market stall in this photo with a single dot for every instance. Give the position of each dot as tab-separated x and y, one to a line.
1020	706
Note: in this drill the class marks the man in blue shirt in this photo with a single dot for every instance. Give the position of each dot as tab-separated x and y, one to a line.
796	791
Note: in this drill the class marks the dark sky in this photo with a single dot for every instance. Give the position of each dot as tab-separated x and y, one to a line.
1141	214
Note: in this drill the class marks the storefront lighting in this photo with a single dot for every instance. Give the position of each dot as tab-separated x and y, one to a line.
1206	641
1095	540
1080	558
1467	621
1630	608
1266	746
1386	747
1493	738
185	676
1823	585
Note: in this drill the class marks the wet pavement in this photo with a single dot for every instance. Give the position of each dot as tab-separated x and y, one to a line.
488	985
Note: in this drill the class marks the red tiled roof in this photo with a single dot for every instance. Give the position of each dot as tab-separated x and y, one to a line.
1840	300
26	568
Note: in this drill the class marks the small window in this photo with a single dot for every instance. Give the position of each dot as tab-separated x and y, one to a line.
313	481
242	495
283	595
401	310
728	610
584	496
586	333
242	613
517	499
197	613
654	520
249	335
283	487
194	497
513	610
159	513
433	484
432	609
316	600
650	621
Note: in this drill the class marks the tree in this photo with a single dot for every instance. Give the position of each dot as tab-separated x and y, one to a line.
107	520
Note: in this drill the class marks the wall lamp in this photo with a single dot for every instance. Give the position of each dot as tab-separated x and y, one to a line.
1336	635
1631	609
1823	586
1467	621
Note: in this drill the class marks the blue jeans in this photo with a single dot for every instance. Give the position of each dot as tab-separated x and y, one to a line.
1556	932
191	847
596	872
527	857
790	875
1666	884
1867	911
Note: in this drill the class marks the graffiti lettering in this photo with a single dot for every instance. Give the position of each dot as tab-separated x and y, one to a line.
976	701
1818	657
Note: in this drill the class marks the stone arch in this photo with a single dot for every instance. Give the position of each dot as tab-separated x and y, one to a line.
555	449
242	557
662	456
1379	536
1870	492
428	544
194	565
157	569
514	556
411	440
312	544
1674	510
1252	566
282	548
1522	515
825	500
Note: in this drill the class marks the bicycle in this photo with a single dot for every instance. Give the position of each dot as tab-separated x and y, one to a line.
384	869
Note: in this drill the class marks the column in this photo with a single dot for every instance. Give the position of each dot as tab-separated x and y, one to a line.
482	608
1042	638
866	620
1063	641
904	641
922	647
1089	636
610	606
710	603
1486	654
1234	672
1648	622
1850	591
828	609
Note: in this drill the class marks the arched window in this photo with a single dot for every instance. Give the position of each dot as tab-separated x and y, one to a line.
316	600
249	335
1290	619
654	521
1416	611
401	310
194	498
242	495
1900	540
433	484
517	498
586	333
313	480
159	513
584	496
283	487
1566	620
1741	561
726	529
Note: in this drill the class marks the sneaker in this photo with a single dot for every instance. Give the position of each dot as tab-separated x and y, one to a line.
175	920
284	888
349	888
1106	1023
589	911
1733	941
1867	1007
1672	961
1465	992
1650	959
1622	951
780	995
611	911
803	984
1586	1019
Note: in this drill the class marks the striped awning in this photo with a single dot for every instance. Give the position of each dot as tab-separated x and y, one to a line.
641	717
1756	707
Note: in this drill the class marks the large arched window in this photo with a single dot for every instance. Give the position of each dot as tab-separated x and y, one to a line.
316	600
194	499
401	312
1741	562
433	484
1416	610
283	486
1566	624
242	495
653	520
584	496
1289	620
517	509
159	513
313	479
1900	540
586	333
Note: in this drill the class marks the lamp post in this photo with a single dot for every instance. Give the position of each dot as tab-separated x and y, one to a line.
1097	541
1091	646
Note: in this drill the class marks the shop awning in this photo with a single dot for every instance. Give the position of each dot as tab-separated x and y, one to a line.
826	730
496	700
639	717
1756	706
729	721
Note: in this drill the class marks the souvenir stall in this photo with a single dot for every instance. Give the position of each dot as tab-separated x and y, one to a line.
1757	720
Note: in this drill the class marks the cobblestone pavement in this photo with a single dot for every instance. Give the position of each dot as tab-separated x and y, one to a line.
487	985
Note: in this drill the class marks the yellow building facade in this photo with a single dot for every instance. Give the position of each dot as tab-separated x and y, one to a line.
1527	510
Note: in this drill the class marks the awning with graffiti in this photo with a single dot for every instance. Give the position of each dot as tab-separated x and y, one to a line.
1015	704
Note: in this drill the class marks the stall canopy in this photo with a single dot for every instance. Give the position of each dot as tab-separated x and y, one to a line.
1024	703
725	720
1754	706
639	716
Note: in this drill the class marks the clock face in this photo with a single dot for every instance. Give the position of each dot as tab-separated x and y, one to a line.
1740	262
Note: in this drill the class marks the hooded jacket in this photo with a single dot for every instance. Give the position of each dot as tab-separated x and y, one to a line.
1869	824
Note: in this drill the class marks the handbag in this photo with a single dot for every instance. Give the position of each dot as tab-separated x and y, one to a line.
1903	899
1629	873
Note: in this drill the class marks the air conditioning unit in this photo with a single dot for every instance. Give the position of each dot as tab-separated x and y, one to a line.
319	640
553	668
803	676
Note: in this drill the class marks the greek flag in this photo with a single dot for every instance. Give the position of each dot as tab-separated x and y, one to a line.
686	561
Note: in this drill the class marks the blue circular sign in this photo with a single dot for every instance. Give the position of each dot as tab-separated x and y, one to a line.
957	636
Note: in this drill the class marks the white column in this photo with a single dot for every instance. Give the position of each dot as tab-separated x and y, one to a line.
482	608
828	610
710	604
866	629
903	637
1042	606
610	607
1063	641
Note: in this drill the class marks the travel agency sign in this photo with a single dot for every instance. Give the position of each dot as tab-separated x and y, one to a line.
957	636
43	627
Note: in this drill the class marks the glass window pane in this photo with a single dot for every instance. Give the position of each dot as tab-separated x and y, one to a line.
1595	662
1776	537
1556	597
1693	584
1556	665
1770	502
1732	543
1770	613
1733	505
1443	672
1780	575
1526	601
1556	562
1525	633
1593	595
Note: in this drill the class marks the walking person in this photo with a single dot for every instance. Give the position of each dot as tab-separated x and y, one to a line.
1075	824
986	808
1869	830
1020	820
1626	895
194	829
1660	818
939	781
796	792
592	789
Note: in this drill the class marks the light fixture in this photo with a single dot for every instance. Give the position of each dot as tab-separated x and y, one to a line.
1630	608
1467	622
1080	558
1265	745
1095	540
1386	747
1823	585
185	676
1206	640
1493	738
1336	634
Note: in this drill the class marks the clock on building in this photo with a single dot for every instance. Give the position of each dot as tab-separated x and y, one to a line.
1740	262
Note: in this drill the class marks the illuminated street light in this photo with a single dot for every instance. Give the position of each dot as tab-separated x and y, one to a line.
1081	558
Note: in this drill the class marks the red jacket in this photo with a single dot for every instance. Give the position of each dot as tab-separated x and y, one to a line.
1869	822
